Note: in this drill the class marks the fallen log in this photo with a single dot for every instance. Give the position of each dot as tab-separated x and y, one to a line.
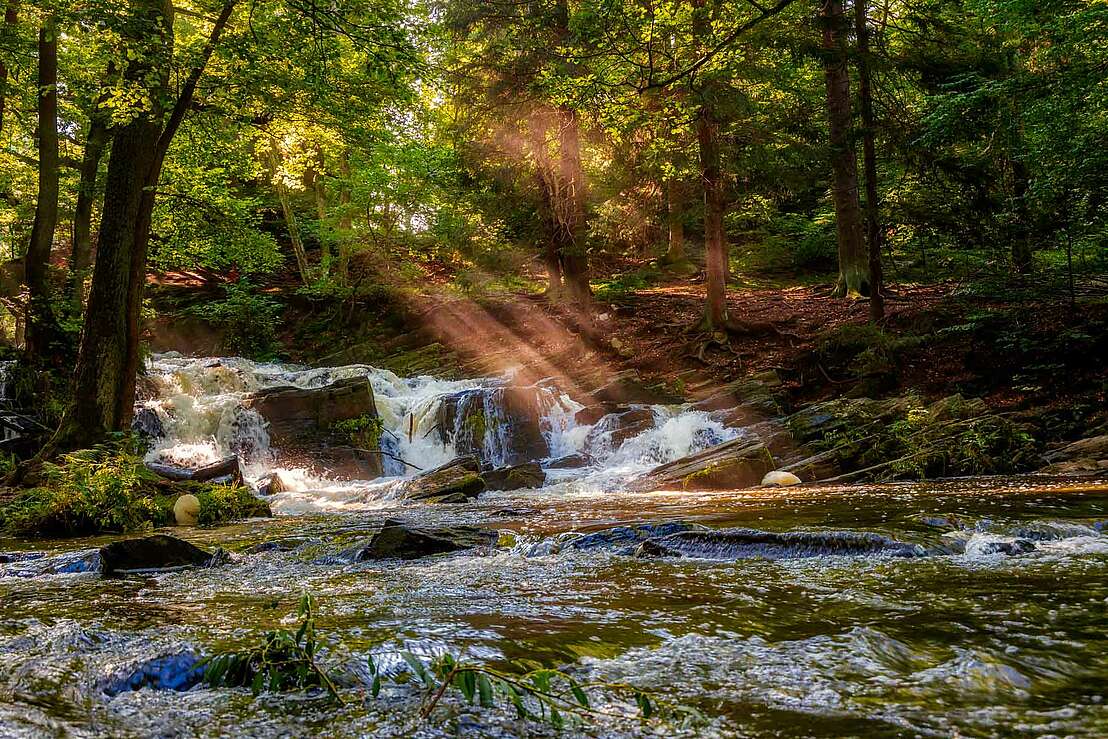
224	468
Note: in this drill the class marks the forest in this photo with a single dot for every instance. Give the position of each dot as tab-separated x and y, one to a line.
512	367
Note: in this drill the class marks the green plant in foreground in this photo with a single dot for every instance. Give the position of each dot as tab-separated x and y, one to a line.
283	661
286	661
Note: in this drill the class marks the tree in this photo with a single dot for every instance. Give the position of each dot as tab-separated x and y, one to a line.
853	277
108	360
869	160
42	327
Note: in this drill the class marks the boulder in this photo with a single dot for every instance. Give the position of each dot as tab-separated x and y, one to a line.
1082	456
780	479
528	475
615	428
186	510
590	414
171	672
271	484
569	462
501	425
304	418
742	543
399	540
628	387
147	424
749	399
735	464
458	476
152	553
821	466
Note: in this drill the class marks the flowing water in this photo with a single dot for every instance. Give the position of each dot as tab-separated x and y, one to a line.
966	641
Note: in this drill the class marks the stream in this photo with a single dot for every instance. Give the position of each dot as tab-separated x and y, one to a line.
978	639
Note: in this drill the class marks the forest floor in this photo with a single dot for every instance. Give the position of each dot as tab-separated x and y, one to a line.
1018	350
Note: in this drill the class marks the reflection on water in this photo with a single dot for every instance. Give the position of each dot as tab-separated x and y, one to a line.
976	643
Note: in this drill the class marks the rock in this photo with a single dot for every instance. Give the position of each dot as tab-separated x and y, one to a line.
502	425
1083	455
171	672
9	557
735	464
780	478
985	546
622	539
569	462
147	424
628	387
821	466
76	563
304	418
458	476
614	429
287	544
271	484
186	510
528	475
158	552
590	414
399	540
748	400
741	543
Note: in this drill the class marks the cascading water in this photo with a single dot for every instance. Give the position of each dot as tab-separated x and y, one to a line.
200	407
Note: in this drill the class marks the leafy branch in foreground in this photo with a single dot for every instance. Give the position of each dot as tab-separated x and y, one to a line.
283	661
286	661
540	695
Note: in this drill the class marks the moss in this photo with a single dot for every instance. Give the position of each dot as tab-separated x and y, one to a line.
364	431
476	424
110	490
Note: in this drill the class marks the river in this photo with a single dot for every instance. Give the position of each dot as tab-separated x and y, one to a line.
974	643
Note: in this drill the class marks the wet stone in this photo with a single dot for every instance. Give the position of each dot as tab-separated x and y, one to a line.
569	462
400	540
742	543
619	539
152	553
529	475
172	672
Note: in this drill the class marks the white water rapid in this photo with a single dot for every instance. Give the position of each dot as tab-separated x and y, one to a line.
199	403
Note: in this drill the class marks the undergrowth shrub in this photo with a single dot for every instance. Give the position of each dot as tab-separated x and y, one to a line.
110	489
248	319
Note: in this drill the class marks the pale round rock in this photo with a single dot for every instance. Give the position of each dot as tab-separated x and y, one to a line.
187	510
779	478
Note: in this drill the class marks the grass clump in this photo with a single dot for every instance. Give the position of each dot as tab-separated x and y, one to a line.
108	489
364	431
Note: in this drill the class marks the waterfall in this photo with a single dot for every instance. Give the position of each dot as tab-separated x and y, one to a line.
199	403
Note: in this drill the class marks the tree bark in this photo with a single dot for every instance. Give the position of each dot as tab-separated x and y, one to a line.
346	221
675	220
42	327
538	129
107	364
1021	239
11	19
81	257
319	189
853	259
869	161
715	243
570	207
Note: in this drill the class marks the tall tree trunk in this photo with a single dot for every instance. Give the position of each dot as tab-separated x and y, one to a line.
715	244
11	19
41	325
675	220
570	207
346	221
869	160
81	257
538	127
1021	239
274	157
853	258
107	364
319	189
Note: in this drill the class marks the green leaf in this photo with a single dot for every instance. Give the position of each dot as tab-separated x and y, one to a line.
484	690
644	705
579	694
375	689
418	668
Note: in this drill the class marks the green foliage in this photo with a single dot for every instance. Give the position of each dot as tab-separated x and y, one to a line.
867	352
364	431
284	661
249	319
622	285
109	489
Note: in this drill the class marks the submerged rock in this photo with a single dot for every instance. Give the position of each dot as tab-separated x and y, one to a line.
76	562
172	672
400	540
738	463
621	539
158	552
459	476
528	475
615	428
741	543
